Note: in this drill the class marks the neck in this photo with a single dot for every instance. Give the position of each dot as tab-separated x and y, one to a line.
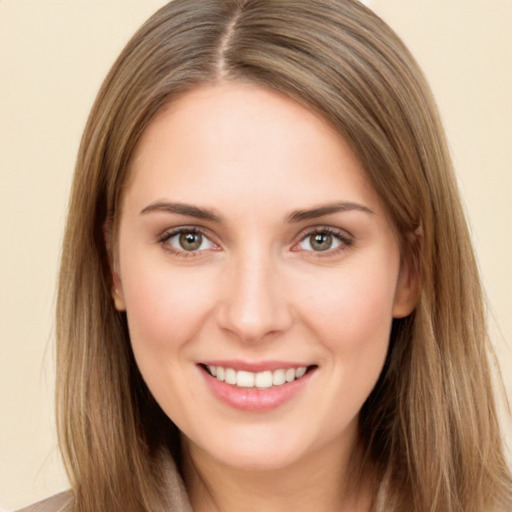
321	483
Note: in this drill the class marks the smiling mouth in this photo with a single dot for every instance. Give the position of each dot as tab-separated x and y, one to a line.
258	380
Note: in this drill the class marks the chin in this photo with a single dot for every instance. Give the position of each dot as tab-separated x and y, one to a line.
260	448
264	459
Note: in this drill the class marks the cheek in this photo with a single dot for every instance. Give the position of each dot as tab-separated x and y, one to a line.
353	314
354	323
165	310
358	297
165	306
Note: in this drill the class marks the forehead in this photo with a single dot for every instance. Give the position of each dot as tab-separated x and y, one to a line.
227	138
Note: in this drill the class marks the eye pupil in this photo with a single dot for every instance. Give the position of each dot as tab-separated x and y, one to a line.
321	241
191	241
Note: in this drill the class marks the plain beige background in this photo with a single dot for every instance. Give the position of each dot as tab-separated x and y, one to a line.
53	56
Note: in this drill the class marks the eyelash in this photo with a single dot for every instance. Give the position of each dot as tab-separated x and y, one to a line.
345	240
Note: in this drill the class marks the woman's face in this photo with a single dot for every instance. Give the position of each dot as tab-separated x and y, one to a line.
259	275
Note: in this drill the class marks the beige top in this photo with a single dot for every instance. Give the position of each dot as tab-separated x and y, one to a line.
58	503
177	500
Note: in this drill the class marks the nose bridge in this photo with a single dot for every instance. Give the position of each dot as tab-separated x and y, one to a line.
254	304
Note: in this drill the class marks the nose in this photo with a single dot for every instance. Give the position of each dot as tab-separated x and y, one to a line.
254	305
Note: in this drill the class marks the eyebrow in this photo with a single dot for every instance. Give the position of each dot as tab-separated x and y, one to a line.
327	209
181	209
294	217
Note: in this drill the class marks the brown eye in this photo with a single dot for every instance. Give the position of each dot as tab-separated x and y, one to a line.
187	241
190	241
320	241
324	240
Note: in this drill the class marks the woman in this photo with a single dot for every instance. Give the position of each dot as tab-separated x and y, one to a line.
268	297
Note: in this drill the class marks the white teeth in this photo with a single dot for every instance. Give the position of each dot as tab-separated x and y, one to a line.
260	380
244	379
230	376
289	375
278	377
299	372
263	380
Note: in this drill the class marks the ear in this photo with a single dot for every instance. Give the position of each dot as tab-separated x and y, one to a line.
117	295
117	286
408	283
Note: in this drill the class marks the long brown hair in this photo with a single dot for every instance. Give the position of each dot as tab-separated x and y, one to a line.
429	429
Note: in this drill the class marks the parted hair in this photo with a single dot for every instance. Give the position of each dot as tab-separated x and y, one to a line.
429	432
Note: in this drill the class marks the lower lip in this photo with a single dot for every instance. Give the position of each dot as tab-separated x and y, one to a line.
254	399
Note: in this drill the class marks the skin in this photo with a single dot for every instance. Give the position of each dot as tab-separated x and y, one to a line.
258	290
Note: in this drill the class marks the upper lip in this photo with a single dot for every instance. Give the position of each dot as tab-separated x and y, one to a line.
254	366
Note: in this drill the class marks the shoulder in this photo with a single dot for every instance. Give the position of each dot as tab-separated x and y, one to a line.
58	503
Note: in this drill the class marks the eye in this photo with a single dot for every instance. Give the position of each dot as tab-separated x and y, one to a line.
187	240
324	240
